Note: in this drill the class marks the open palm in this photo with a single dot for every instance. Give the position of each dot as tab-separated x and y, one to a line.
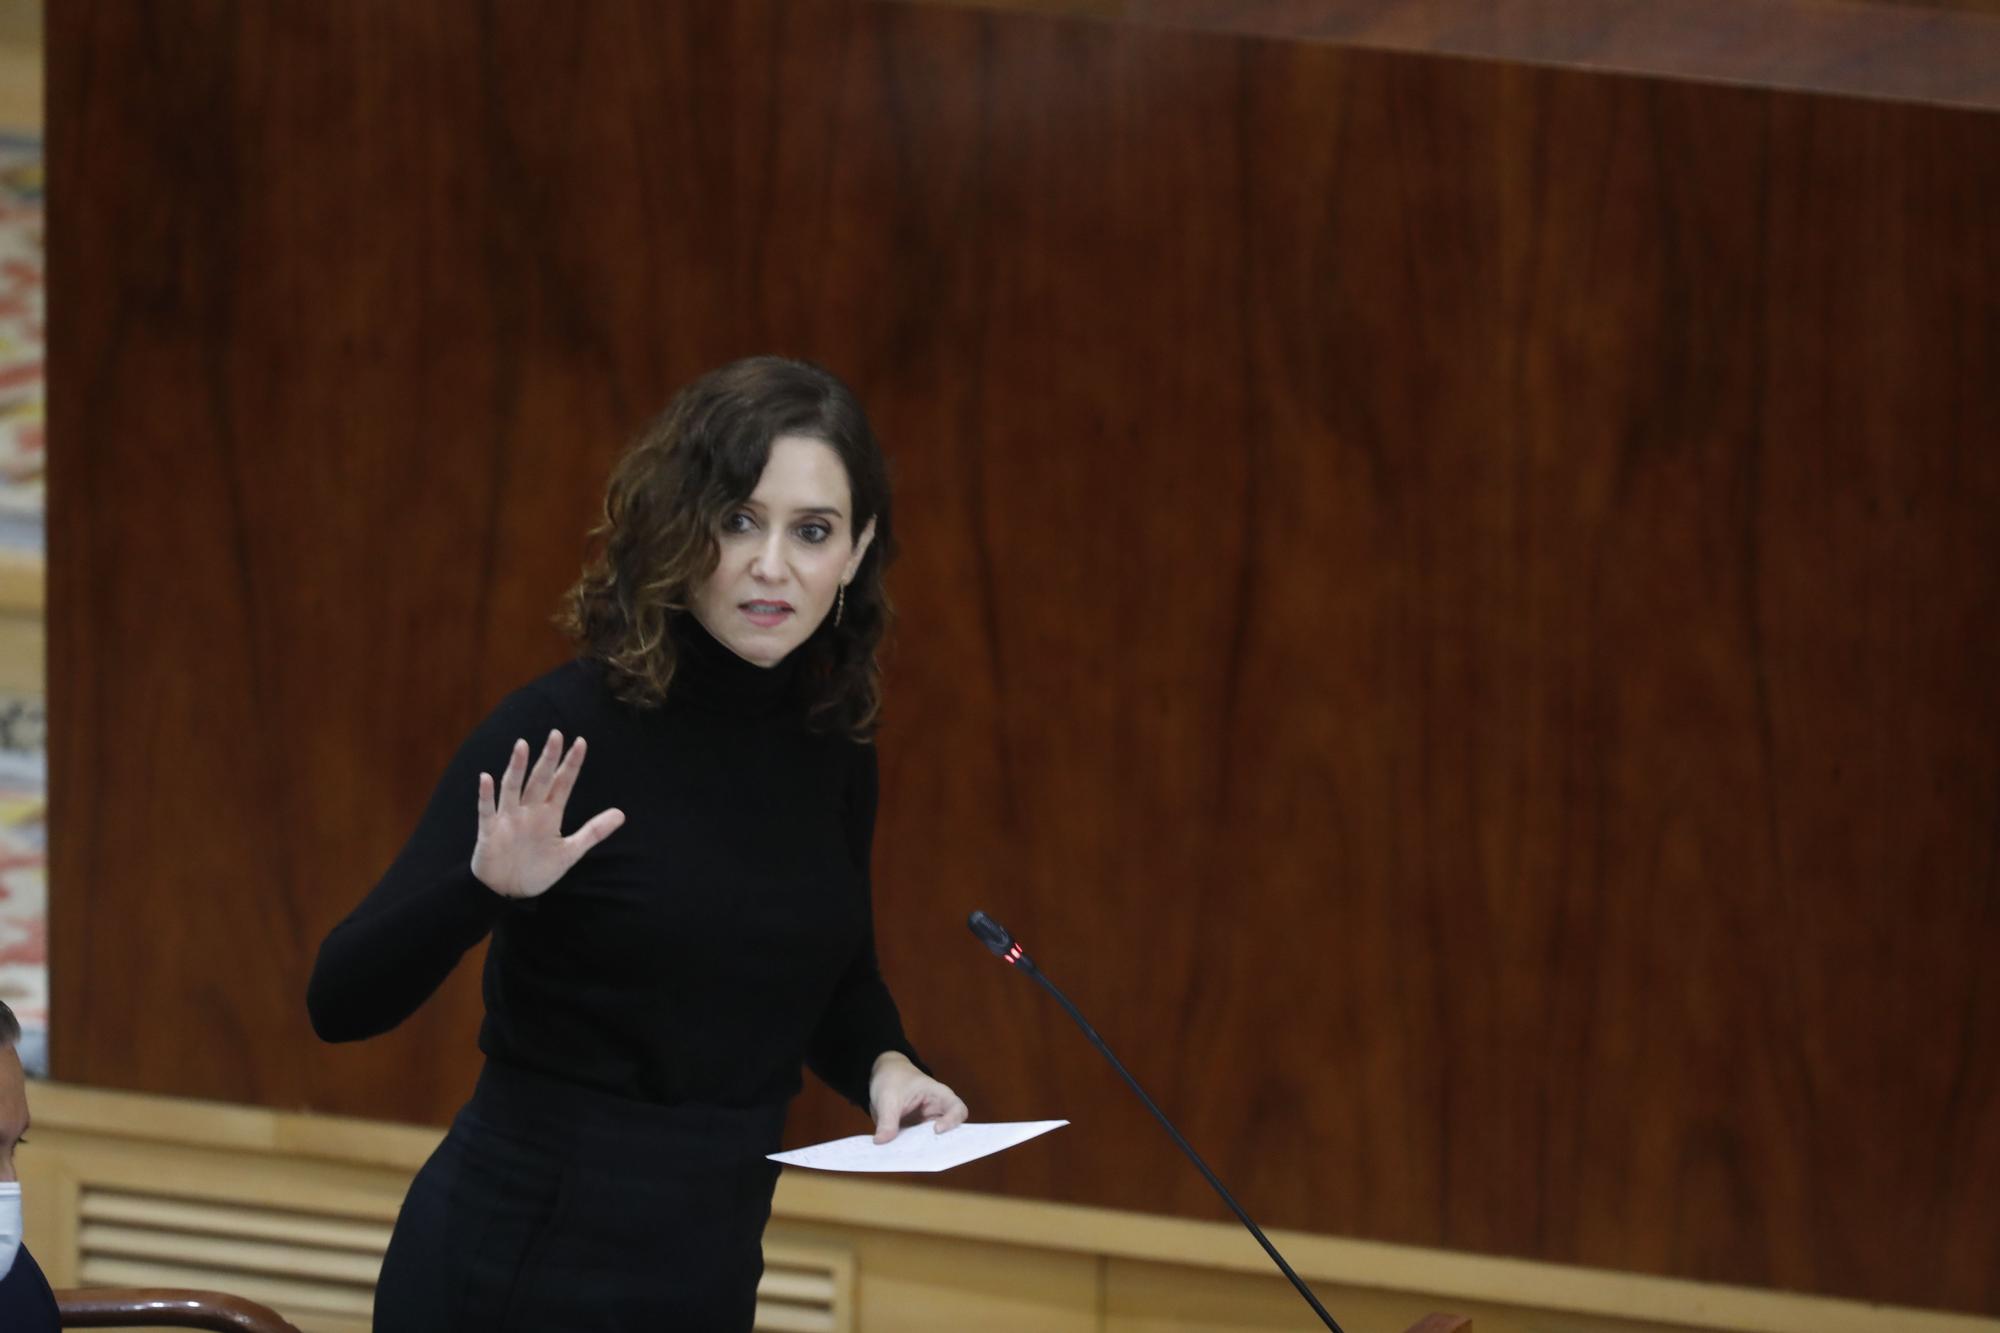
521	849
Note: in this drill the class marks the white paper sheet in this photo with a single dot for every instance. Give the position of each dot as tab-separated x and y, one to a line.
918	1148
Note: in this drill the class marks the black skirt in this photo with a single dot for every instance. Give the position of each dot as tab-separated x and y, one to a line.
555	1209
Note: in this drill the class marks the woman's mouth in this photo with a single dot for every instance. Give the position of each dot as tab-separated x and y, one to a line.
765	615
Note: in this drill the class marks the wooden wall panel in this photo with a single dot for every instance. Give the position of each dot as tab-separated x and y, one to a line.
1451	604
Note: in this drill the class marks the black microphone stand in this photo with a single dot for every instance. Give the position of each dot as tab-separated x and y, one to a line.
1005	947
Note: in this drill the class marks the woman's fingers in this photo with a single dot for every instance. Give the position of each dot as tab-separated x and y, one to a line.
521	850
914	1100
953	1114
890	1097
510	779
542	777
941	1106
600	826
565	778
547	781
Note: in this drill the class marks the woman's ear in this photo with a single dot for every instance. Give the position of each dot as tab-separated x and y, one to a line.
860	549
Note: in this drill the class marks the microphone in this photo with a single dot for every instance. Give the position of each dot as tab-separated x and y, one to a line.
995	937
1004	946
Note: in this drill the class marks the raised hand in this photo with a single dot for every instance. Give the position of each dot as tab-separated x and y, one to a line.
521	849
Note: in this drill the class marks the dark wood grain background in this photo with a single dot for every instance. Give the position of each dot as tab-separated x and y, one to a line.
1455	606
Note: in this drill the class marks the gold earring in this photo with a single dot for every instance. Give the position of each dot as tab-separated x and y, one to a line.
839	605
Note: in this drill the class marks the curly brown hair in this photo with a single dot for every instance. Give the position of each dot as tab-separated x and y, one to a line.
665	504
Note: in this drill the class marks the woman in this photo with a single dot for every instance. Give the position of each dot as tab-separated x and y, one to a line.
678	922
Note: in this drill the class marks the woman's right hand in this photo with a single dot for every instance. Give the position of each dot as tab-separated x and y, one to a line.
521	849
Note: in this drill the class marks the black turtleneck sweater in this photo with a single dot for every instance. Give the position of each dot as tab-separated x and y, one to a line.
703	951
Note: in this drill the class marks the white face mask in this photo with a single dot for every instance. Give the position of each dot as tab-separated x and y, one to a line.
10	1225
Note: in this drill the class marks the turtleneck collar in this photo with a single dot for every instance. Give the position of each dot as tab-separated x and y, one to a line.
709	676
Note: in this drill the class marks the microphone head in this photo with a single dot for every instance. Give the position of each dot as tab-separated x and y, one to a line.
991	933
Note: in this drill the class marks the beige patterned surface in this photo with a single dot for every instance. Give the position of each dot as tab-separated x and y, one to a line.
22	339
23	841
23	872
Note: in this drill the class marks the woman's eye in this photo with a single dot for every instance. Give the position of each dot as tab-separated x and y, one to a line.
815	533
737	522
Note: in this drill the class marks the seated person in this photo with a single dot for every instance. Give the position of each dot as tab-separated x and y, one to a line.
26	1303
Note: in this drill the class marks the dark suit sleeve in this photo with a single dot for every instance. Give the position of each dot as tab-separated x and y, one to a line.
26	1303
860	1021
394	950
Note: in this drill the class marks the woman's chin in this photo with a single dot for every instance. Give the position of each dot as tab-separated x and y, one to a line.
764	647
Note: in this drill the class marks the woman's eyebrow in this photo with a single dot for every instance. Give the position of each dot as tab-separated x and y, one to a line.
831	511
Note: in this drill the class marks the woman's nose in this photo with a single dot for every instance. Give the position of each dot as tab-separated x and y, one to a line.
768	563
